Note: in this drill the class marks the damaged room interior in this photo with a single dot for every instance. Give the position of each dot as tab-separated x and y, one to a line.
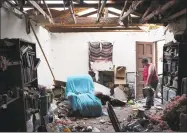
93	66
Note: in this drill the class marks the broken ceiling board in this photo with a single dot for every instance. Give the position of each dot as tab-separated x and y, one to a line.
67	15
57	13
60	29
85	21
40	19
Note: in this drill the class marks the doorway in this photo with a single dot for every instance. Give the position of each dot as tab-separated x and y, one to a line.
154	52
143	49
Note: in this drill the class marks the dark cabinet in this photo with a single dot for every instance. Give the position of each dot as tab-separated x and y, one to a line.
18	84
174	67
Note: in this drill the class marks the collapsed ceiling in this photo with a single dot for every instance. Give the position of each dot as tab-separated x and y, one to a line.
94	15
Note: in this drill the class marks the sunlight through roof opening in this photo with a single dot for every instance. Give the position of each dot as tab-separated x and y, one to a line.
86	11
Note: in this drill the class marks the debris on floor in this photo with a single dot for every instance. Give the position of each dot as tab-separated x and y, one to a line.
64	121
157	119
131	115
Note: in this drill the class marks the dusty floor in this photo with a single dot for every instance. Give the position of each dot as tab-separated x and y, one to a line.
103	123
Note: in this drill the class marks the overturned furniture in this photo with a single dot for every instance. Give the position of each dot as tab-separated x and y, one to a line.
80	93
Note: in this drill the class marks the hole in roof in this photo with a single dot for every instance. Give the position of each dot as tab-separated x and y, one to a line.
119	11
59	9
25	9
86	11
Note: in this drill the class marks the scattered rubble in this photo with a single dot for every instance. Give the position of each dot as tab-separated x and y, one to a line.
62	119
157	119
133	118
102	121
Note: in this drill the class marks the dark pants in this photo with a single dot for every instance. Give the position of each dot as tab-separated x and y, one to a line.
150	94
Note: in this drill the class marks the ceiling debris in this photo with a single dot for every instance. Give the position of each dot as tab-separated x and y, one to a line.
98	14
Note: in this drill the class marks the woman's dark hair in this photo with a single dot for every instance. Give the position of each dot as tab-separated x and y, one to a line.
144	60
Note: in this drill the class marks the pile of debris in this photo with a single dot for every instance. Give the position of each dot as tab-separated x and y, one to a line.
62	119
171	114
157	120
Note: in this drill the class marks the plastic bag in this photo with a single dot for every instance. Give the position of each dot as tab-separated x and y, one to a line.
52	108
30	125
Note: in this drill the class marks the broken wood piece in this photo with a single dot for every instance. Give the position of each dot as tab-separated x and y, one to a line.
132	8
123	10
99	6
41	10
48	9
101	10
72	12
159	10
176	15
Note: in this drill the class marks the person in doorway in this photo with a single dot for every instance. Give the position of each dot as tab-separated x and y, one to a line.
150	81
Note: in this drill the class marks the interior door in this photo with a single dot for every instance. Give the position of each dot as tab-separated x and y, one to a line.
143	49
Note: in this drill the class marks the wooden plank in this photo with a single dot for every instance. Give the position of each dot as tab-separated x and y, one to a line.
176	15
40	10
132	8
60	29
159	10
91	21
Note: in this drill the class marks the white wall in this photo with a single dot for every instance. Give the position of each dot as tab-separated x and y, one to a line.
13	27
70	50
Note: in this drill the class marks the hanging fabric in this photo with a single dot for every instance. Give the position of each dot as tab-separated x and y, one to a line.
100	53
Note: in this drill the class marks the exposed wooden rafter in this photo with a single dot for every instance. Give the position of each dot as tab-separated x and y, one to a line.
47	9
8	5
59	29
101	10
124	8
71	8
153	5
98	9
90	22
176	15
41	10
146	12
131	9
159	10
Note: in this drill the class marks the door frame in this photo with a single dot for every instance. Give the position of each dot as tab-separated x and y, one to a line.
155	57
